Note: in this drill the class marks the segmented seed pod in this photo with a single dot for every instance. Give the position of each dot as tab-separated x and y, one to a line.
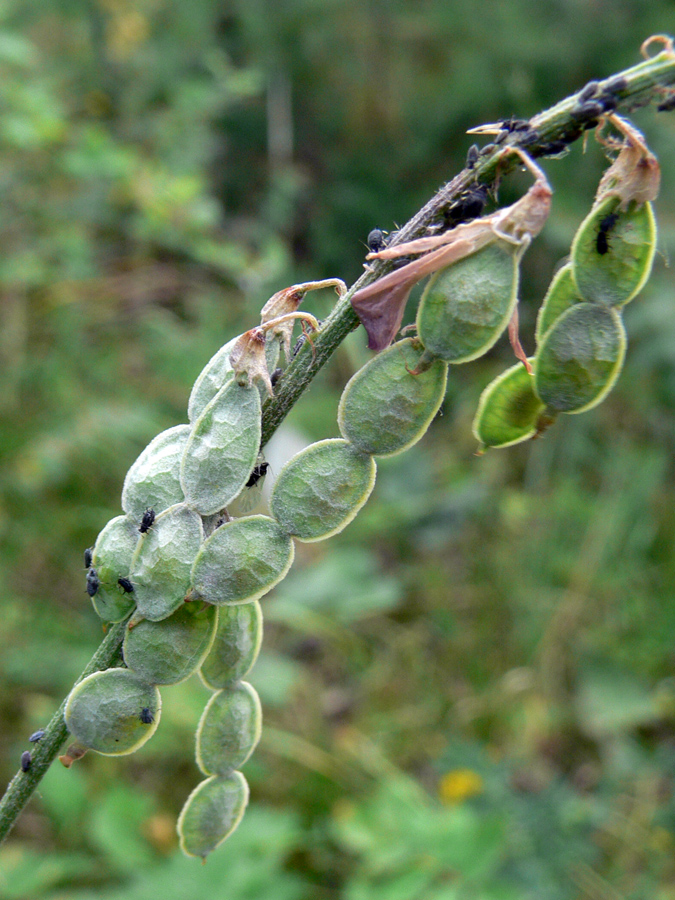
235	647
222	449
111	558
113	712
154	479
466	307
384	409
211	813
320	489
242	560
169	651
562	294
580	358
508	409
613	252
216	372
229	729
162	562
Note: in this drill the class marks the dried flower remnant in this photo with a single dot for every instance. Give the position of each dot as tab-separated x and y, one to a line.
274	316
380	305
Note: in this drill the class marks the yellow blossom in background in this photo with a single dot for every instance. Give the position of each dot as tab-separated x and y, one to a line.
458	785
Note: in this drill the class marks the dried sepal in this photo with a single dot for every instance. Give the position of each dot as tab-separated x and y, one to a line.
287	301
635	175
380	305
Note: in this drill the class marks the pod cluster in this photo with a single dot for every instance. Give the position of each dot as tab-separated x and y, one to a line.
187	576
581	340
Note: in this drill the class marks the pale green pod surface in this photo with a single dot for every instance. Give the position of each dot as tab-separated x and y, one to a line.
217	371
170	651
229	729
384	408
222	448
580	358
613	252
161	565
508	409
562	294
111	558
242	560
153	481
321	489
210	380
236	645
211	813
466	307
113	712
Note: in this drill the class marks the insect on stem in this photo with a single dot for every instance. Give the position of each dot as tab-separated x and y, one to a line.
380	306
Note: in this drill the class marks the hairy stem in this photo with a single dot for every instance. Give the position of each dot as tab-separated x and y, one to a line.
23	784
639	85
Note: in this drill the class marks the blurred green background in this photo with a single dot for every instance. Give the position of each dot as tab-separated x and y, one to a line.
470	693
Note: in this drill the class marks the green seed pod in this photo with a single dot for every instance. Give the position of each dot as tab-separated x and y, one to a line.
580	358
111	558
466	307
211	813
169	651
236	645
321	489
161	565
613	252
508	409
222	449
561	295
385	409
154	479
242	560
113	712
216	372
210	380
229	729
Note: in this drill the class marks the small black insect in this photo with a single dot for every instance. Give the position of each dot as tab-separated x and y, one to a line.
147	520
513	124
608	101
588	92
614	85
588	113
258	472
126	585
552	148
602	240
26	760
469	205
667	105
275	376
472	156
37	736
146	716
88	556
93	584
376	241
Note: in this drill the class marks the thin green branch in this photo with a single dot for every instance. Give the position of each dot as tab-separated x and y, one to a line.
23	784
644	83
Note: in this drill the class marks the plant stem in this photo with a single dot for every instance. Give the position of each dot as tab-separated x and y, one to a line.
641	85
644	83
23	784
